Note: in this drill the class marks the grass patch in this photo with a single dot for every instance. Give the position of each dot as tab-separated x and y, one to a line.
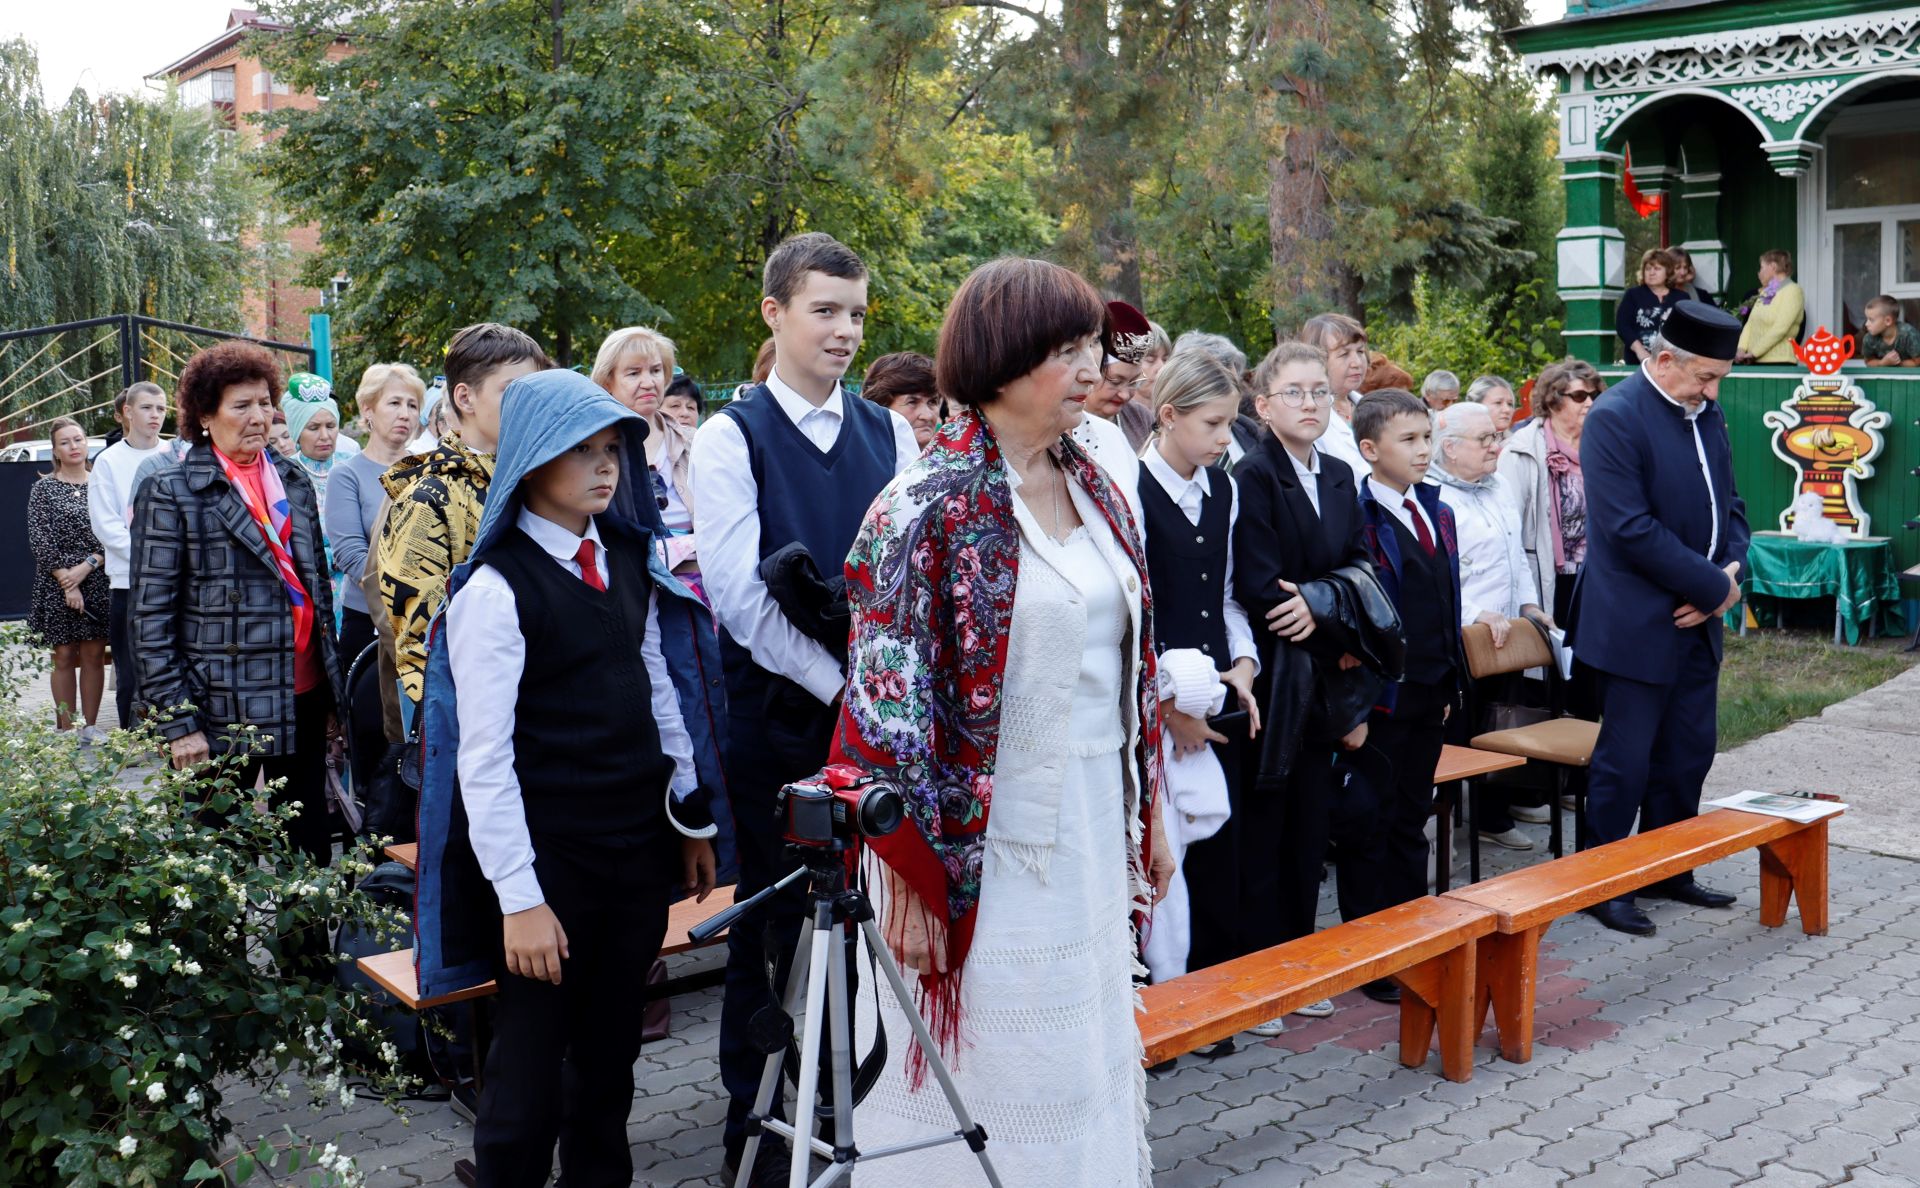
1772	678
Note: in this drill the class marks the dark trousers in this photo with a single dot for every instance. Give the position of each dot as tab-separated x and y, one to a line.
1283	851
305	772
765	752
1389	865
560	1067
1656	745
1491	802
120	639
356	632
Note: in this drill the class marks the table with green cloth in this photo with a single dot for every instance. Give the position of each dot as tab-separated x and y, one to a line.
1859	574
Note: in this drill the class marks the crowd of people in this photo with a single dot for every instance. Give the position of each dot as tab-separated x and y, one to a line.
1145	637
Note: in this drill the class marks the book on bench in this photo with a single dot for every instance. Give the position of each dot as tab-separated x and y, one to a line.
1775	804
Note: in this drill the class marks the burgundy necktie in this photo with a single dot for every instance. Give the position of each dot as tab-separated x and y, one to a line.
590	574
1420	527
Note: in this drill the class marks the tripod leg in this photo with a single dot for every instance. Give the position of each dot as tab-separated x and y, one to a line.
839	1023
976	1138
803	1102
770	1075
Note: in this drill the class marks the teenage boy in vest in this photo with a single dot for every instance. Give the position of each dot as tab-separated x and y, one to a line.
141	409
568	692
791	460
1416	556
438	496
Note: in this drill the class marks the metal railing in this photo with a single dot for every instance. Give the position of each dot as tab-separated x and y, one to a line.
74	369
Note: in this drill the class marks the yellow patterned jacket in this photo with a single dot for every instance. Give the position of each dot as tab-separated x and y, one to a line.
437	500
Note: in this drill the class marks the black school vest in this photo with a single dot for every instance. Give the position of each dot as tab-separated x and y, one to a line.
805	494
1187	566
1426	610
585	745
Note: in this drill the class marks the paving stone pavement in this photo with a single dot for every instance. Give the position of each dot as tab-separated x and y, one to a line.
1717	1052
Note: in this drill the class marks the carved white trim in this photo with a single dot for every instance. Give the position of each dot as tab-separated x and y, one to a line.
1835	43
1781	102
1609	109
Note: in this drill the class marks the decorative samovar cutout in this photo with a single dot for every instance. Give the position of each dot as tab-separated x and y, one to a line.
1829	432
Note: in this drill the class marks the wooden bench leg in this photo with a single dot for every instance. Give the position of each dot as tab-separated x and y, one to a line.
1507	975
1439	991
1795	867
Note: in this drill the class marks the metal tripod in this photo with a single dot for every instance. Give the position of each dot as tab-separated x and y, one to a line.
818	979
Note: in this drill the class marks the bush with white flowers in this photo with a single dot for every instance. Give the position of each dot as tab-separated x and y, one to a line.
147	960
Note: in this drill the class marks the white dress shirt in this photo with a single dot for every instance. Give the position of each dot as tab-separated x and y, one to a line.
1700	451
1186	494
1494	574
1338	441
109	490
1308	473
1396	502
726	519
487	655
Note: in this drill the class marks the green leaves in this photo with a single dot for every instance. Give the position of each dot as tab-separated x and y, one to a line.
140	967
111	204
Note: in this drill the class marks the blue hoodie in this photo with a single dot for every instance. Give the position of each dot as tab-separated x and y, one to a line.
542	416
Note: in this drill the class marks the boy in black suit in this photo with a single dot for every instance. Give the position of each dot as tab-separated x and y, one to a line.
1416	554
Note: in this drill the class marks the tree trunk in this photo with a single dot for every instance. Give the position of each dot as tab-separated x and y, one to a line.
1307	271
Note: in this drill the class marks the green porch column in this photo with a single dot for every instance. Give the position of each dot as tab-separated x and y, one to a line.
1696	227
1592	255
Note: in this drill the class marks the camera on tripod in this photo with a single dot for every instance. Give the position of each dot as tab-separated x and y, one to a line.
840	806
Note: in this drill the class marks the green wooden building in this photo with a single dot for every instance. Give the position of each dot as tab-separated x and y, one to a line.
1791	124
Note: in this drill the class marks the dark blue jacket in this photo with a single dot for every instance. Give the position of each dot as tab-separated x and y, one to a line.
542	416
1383	544
1649	521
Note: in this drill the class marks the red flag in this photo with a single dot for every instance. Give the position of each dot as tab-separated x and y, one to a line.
1641	203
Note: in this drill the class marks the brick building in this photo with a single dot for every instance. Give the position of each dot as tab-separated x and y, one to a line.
224	76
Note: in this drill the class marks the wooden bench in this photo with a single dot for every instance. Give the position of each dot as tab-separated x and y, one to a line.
1793	865
394	971
1427	946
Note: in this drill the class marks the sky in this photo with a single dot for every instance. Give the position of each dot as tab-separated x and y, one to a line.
111	45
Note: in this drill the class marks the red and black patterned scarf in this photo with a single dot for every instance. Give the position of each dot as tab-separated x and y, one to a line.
931	582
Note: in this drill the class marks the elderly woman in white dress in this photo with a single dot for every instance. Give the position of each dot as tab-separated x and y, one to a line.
1003	679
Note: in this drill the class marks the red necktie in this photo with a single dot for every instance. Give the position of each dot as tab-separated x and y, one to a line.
1420	527
591	575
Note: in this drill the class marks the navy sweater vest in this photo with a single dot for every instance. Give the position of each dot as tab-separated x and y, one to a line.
585	745
806	494
1187	565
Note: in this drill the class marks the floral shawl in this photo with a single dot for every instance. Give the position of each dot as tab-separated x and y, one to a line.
930	581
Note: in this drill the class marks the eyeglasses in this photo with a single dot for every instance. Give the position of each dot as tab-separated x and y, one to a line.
1302	397
1486	441
1580	394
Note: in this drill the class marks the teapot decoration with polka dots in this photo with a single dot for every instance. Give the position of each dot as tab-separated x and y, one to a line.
1829	432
